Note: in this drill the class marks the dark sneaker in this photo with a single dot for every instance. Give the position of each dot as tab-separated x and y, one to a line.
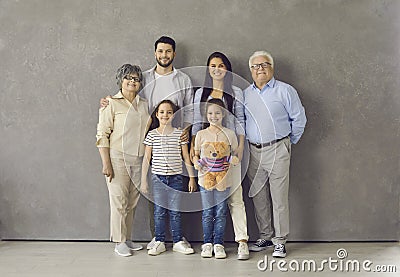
279	251
260	244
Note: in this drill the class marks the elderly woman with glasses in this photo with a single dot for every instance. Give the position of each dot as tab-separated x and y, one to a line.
120	133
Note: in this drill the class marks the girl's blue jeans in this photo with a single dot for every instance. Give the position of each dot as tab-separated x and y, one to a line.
214	214
166	193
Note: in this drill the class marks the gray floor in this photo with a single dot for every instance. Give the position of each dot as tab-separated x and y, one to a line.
34	258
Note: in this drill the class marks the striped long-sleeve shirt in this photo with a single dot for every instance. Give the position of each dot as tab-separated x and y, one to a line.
166	152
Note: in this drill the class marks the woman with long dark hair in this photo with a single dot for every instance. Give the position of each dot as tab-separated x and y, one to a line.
218	84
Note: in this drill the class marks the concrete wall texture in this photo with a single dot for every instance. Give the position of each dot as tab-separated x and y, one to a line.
59	57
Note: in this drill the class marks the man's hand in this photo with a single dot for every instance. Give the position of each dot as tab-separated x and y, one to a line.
104	101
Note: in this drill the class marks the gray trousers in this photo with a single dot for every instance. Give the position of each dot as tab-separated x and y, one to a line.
269	175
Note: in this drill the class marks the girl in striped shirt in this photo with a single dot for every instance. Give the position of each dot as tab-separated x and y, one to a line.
165	149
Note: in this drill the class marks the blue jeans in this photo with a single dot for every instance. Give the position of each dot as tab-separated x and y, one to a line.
214	214
166	193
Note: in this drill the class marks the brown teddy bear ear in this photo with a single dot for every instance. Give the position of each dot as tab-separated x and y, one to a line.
213	145
206	145
224	146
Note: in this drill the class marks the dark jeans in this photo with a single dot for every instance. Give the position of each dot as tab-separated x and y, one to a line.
166	193
214	214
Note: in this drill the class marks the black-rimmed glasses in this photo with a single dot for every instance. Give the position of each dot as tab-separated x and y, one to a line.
260	65
130	78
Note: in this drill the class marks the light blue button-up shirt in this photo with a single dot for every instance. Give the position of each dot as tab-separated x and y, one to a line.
273	112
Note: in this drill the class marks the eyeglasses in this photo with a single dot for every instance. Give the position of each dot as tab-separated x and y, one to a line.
260	65
130	78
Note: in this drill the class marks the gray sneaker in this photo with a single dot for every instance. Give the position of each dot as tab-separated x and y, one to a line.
122	249
134	246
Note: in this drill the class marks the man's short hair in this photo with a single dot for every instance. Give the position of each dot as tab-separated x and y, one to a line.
262	54
165	39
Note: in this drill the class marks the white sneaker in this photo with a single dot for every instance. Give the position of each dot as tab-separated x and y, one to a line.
134	246
182	247
122	249
151	243
187	243
206	250
157	249
219	251
243	251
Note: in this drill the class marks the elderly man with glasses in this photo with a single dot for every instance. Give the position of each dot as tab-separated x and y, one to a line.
275	119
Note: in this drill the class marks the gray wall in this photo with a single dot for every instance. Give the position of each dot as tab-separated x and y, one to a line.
57	58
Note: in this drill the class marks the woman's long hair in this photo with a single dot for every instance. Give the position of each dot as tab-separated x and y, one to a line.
228	94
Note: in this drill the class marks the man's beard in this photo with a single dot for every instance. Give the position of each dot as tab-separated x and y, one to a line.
165	65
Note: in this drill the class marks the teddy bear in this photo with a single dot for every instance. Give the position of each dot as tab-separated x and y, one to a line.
215	155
